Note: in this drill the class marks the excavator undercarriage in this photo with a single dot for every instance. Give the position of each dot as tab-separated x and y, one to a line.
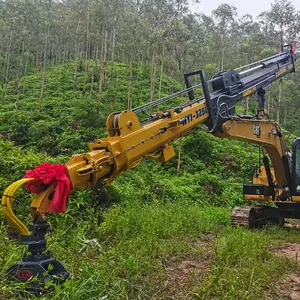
256	216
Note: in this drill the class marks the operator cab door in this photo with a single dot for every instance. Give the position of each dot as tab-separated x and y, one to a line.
296	167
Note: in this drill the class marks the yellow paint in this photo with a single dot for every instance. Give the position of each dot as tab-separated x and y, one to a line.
273	145
249	92
6	203
281	71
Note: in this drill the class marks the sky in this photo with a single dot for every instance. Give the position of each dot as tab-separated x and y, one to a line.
252	7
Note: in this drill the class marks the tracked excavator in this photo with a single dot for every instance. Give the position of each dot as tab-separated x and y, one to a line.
130	140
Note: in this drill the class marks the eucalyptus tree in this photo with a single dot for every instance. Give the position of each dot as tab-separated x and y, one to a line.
225	21
280	26
281	23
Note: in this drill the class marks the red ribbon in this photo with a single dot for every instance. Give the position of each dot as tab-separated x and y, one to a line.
47	174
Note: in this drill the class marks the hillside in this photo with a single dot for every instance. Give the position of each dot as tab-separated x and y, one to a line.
152	234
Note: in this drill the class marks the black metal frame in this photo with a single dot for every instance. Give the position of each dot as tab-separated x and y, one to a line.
230	86
36	264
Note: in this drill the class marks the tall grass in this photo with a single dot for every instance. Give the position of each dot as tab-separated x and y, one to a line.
125	256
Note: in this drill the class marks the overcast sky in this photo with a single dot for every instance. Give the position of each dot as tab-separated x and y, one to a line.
252	7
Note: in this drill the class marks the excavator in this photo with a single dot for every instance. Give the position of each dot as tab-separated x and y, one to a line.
276	184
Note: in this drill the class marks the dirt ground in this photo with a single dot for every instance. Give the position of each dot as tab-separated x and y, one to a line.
289	287
184	273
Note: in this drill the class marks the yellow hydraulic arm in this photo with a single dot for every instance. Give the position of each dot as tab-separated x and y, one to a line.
128	143
268	135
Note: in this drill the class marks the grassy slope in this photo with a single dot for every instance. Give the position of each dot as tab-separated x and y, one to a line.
128	255
132	247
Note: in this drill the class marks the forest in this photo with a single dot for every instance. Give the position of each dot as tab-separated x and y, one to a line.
160	231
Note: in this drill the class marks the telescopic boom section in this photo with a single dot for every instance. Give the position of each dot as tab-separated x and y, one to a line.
129	140
229	87
128	143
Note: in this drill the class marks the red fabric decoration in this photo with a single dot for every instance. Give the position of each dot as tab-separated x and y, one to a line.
294	49
47	174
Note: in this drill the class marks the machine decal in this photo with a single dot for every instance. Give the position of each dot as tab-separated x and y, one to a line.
190	117
201	112
256	129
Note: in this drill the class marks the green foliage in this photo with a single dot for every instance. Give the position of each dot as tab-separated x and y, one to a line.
65	121
122	257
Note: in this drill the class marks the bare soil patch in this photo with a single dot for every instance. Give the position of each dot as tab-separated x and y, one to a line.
290	250
186	273
183	275
289	288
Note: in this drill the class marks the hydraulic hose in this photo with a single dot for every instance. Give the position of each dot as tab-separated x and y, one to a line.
6	203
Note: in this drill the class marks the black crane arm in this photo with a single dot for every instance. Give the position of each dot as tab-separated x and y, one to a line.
225	89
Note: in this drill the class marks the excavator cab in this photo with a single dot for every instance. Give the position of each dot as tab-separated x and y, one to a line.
265	185
265	188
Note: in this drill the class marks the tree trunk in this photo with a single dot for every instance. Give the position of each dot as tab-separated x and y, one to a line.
171	91
129	104
161	71
105	45
45	65
152	83
76	55
37	62
246	106
179	156
95	56
20	64
279	100
94	69
104	56
86	52
84	78
285	116
59	52
7	62
66	55
100	83
92	81
269	103
52	58
113	52
179	61
25	73
222	60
